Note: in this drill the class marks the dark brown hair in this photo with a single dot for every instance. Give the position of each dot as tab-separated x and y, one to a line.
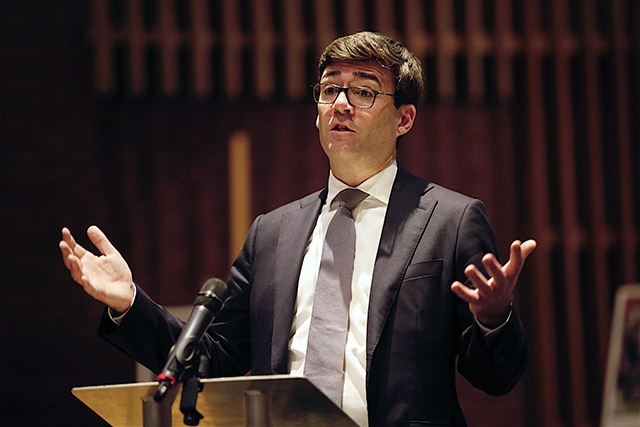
368	47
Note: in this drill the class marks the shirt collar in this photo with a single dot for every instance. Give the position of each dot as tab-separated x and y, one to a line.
378	186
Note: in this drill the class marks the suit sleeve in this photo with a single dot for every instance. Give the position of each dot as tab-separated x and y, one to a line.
494	365
148	331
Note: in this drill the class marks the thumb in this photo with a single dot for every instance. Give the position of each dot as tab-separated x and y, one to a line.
528	247
519	253
99	239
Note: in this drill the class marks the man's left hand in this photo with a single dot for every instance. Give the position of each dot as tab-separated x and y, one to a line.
490	301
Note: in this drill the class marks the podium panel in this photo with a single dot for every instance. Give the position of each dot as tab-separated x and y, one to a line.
281	400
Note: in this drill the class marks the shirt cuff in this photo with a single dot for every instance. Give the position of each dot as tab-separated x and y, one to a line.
116	317
489	331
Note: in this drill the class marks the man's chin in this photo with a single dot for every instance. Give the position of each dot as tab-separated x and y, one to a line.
341	146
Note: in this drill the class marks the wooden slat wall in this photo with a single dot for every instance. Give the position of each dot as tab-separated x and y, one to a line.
573	65
571	233
545	330
603	236
624	48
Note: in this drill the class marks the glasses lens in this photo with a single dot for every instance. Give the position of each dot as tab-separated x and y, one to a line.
325	93
361	97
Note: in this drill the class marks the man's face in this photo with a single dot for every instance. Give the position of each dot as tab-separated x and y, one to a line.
359	139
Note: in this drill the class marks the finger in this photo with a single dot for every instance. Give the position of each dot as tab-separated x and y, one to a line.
464	293
73	264
494	268
99	239
73	246
514	265
76	270
66	251
67	237
518	254
528	247
70	249
478	279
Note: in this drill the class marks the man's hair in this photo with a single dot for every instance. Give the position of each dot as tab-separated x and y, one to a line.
368	47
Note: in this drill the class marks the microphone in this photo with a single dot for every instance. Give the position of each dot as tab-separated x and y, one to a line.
207	305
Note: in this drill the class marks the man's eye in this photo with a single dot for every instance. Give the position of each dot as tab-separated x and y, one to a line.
329	90
364	93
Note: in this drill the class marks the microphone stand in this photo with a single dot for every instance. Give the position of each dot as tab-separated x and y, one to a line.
185	362
191	386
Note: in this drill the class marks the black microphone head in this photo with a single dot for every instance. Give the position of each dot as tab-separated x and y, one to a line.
213	289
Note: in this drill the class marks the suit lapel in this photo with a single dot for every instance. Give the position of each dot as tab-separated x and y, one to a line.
407	216
294	226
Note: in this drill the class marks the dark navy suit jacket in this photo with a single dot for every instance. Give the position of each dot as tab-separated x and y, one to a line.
416	326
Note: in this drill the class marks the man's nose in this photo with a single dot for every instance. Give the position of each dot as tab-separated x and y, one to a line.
342	102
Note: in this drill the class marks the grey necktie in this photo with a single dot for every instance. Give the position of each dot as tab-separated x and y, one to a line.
324	362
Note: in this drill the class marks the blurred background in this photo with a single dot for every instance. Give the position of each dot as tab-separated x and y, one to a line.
172	123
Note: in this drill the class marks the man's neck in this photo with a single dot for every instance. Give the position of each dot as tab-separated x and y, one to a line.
354	175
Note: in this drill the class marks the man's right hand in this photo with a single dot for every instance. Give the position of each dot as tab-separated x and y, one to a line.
107	277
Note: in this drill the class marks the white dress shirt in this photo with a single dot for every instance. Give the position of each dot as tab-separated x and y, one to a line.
368	217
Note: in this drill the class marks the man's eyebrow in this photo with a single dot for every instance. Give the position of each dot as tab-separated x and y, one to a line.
361	74
331	73
368	76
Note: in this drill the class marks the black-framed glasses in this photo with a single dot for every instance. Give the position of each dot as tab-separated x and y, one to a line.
357	96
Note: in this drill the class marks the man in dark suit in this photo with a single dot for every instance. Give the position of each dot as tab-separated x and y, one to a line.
426	286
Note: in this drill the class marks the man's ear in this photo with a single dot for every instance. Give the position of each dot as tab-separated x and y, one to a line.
318	121
407	114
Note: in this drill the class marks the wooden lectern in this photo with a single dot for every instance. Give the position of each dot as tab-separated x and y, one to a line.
252	401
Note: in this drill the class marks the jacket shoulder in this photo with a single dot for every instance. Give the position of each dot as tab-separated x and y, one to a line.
313	198
433	190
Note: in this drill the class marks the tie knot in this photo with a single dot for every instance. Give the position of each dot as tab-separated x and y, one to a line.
350	197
